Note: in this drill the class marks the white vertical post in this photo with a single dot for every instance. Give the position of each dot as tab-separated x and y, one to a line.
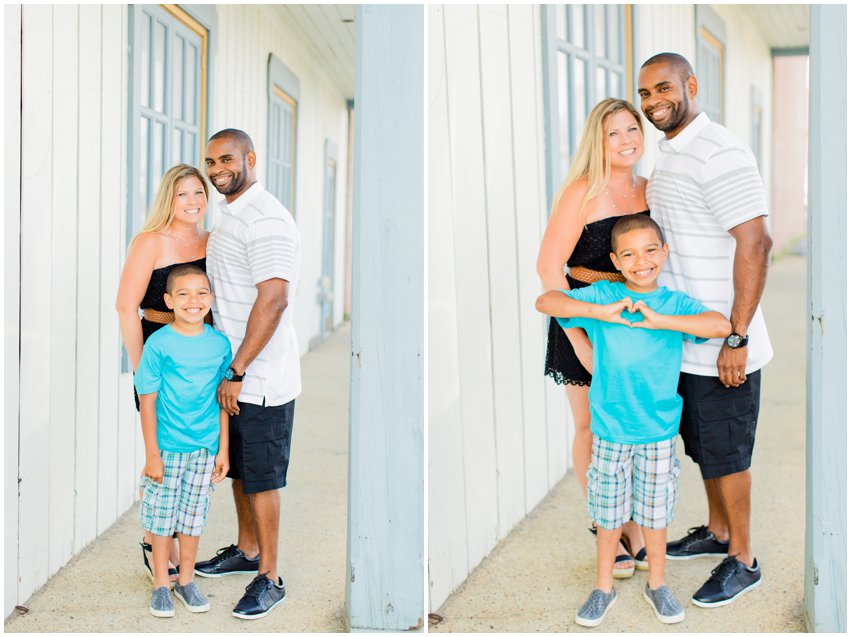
826	554
384	583
11	298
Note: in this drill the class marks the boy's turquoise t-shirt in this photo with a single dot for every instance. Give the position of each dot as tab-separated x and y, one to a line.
633	391
185	371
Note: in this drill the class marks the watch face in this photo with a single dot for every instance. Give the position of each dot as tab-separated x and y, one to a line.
229	374
734	340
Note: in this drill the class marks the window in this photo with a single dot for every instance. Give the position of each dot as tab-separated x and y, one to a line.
588	54
711	39
168	99
282	130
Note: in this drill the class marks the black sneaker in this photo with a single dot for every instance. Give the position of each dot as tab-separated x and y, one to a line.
729	579
261	596
699	542
228	561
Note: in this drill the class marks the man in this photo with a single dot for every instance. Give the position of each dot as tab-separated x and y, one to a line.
706	193
253	258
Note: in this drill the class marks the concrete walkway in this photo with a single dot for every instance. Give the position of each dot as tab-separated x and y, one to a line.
543	571
104	588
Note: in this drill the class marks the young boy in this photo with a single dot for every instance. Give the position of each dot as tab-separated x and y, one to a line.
185	432
637	330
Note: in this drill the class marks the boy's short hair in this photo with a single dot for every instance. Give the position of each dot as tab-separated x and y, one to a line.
628	223
183	270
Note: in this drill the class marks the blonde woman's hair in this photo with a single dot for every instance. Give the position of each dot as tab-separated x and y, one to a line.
162	209
591	161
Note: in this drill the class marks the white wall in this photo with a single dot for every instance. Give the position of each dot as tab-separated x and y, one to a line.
245	37
77	449
75	460
497	427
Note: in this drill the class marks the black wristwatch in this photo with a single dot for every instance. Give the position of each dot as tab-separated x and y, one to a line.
232	376
735	341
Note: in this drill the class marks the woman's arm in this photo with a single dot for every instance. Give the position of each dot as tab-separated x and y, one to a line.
560	237
563	231
131	290
704	325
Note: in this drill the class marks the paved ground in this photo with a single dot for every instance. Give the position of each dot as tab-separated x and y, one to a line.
542	572
104	589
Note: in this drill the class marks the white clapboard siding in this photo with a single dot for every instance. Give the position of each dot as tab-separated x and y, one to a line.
447	523
486	200
11	289
61	223
88	388
112	207
36	314
530	212
471	279
502	263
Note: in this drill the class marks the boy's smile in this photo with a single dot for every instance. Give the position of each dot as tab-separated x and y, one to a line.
640	257
191	300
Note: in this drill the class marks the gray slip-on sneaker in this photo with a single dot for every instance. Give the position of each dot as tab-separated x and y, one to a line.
668	610
594	610
161	604
192	598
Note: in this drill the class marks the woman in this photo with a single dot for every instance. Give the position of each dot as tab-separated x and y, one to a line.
600	187
172	236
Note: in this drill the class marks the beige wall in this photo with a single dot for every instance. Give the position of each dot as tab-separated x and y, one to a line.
789	152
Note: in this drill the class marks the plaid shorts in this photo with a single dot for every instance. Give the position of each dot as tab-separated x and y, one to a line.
637	482
181	502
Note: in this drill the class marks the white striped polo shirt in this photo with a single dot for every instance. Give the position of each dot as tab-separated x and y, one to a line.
255	239
706	182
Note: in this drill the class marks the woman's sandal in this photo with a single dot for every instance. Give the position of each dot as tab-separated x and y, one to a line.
640	558
621	573
172	572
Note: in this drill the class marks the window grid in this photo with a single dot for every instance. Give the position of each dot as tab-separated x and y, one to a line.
590	50
283	119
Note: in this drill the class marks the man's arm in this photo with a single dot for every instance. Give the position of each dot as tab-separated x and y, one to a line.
750	269
263	320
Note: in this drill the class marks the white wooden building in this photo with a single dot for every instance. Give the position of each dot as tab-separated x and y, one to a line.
100	100
509	88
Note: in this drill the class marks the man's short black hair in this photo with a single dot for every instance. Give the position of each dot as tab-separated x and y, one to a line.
676	61
240	138
628	223
183	270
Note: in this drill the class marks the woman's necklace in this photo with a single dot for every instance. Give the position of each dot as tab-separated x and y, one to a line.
629	194
184	243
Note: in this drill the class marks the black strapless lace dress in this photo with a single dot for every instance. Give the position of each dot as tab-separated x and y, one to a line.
592	251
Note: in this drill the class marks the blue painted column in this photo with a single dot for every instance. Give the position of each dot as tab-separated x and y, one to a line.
384	583
825	562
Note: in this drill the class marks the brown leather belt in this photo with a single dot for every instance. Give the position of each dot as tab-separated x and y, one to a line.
589	276
155	316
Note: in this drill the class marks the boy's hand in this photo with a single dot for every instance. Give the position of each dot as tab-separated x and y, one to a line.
222	467
154	468
651	320
611	313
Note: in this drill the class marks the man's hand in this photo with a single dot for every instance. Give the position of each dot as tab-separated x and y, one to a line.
222	467
227	395
731	365
154	468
